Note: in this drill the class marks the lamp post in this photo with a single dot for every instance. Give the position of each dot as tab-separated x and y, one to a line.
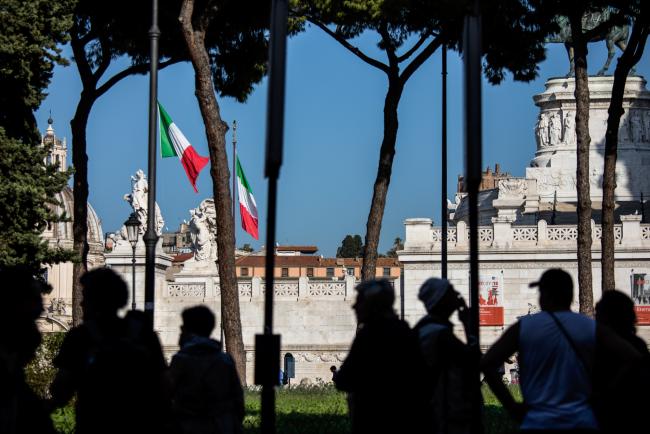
132	228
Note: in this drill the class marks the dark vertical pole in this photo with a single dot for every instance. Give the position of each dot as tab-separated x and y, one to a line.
267	345
401	292
133	305
234	193
473	145
443	171
151	235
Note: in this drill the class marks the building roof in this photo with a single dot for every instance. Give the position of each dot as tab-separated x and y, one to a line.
311	261
301	249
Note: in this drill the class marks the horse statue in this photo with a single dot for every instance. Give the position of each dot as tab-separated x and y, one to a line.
615	36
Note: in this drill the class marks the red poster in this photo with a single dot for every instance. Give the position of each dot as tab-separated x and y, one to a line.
640	293
491	300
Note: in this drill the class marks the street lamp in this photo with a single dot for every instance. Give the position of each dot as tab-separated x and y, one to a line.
132	228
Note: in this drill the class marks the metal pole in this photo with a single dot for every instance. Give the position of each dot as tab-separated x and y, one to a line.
267	345
443	171
133	278
151	235
473	164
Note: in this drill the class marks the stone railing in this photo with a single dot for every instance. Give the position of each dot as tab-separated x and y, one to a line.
420	234
284	289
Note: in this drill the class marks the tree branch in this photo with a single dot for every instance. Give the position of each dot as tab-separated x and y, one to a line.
106	60
420	58
79	53
415	47
356	51
133	69
390	47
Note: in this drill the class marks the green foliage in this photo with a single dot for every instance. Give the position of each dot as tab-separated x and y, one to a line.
247	248
63	419
27	199
40	372
351	247
30	45
398	244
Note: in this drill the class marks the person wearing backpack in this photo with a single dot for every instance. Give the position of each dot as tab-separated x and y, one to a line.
556	350
207	396
114	365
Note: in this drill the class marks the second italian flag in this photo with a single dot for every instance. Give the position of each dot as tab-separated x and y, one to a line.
247	205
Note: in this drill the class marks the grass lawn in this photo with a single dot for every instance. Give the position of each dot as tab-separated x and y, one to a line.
317	410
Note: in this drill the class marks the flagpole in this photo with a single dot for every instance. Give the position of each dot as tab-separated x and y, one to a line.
234	192
267	345
151	235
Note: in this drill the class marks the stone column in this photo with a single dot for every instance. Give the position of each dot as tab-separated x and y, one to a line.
502	232
461	234
418	233
303	283
631	230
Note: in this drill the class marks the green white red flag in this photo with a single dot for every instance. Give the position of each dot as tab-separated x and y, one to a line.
174	144
247	205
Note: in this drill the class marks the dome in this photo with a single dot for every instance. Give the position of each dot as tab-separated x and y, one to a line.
62	233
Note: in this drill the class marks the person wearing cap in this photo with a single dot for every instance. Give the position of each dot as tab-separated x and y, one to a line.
556	350
378	374
448	379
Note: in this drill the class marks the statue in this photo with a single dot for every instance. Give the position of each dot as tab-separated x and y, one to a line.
569	128
542	131
202	227
636	126
138	199
613	36
555	129
624	130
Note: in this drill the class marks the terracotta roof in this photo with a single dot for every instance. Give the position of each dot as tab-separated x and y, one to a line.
311	261
304	249
182	257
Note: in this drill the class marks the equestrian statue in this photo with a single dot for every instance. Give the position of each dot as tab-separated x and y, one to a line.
614	36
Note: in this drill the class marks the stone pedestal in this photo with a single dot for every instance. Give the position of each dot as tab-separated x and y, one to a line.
554	164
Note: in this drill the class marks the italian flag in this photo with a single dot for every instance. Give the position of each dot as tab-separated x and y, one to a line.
174	144
247	205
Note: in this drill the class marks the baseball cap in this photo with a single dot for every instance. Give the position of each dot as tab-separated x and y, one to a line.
554	277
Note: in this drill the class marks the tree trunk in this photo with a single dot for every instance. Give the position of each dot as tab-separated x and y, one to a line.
78	126
216	128
385	167
585	293
625	64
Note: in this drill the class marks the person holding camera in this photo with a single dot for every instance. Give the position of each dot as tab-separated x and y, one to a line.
450	389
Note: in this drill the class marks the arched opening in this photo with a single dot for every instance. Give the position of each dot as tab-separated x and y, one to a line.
289	368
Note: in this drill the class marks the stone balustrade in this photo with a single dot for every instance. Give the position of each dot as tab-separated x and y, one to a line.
422	235
253	289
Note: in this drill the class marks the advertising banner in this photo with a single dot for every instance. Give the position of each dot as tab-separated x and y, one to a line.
640	293
491	299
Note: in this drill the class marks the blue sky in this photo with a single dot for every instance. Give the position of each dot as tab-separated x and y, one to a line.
333	130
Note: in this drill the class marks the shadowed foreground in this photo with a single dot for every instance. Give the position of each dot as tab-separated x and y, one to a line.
318	409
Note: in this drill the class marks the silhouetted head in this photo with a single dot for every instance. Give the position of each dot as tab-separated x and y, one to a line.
332	369
23	304
198	320
439	297
21	295
375	300
616	310
555	290
104	293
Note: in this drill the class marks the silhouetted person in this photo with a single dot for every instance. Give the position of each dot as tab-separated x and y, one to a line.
114	365
378	373
333	371
621	384
556	356
449	382
21	411
206	392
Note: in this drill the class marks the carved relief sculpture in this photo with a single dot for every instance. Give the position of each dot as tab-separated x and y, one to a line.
138	199
636	126
569	128
555	129
624	129
541	131
512	187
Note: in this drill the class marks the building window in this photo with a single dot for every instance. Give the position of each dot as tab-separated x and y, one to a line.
386	271
310	272
285	272
244	271
350	271
330	272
